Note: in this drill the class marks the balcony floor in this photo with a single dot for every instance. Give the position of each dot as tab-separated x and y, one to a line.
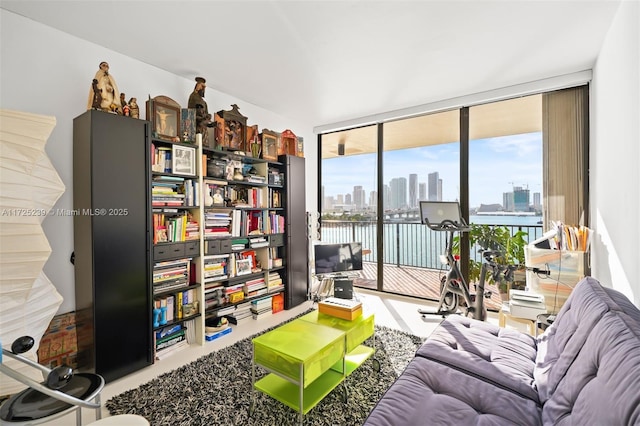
413	281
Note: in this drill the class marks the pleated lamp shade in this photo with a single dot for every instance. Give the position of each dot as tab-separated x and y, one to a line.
29	188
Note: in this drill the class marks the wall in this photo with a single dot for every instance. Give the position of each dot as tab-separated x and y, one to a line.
46	71
615	155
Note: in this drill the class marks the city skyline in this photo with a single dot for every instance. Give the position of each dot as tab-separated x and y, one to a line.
496	166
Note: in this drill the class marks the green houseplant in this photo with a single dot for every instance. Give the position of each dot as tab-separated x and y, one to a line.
499	239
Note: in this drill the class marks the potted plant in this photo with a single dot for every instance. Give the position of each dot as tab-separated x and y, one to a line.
499	239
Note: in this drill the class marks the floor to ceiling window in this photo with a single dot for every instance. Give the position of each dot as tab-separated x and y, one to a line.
348	194
506	162
421	161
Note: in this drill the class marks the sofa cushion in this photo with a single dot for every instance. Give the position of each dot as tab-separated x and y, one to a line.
432	393
602	385
559	345
624	304
500	356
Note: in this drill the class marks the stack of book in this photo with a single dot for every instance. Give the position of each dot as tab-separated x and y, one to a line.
215	268
217	223
255	287
275	282
261	307
241	314
171	275
166	191
170	339
257	242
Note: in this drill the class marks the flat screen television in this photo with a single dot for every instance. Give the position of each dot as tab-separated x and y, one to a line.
335	258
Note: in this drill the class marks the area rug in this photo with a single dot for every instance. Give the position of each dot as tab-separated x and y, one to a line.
216	389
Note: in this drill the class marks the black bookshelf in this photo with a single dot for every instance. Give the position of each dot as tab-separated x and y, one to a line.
112	245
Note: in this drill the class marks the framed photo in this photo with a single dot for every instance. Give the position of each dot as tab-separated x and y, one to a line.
269	145
166	121
184	160
243	266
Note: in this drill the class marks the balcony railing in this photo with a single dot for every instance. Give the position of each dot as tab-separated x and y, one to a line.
411	255
405	243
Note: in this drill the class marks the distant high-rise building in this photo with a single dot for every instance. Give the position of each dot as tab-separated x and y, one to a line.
433	186
347	199
328	203
537	205
413	190
439	190
358	197
398	193
521	200
422	192
507	201
340	199
386	197
373	199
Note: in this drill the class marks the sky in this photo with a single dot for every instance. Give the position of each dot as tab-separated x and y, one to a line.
496	165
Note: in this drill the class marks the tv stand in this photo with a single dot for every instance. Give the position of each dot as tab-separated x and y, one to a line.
338	284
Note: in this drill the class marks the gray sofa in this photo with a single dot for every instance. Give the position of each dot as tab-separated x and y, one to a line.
583	370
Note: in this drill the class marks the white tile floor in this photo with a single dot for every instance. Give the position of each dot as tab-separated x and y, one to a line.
391	311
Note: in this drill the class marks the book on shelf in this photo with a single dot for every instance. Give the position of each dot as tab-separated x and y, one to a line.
161	288
168	331
166	352
171	339
171	306
217	334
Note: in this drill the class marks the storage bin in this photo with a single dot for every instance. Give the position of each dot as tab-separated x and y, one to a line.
566	269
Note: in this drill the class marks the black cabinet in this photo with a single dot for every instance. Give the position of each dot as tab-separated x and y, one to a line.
111	243
296	262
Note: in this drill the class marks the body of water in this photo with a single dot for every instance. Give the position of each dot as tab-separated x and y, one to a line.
414	244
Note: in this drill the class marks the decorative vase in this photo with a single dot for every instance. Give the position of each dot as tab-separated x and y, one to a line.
208	199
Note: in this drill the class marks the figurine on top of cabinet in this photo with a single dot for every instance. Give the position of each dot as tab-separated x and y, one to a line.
203	118
134	110
104	89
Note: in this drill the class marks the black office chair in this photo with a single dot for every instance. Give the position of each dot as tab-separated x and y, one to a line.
62	392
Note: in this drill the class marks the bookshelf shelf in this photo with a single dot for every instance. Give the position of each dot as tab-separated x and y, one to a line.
177	321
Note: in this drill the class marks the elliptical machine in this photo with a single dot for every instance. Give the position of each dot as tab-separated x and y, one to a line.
444	216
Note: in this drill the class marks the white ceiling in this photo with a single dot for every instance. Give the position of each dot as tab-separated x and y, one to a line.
322	62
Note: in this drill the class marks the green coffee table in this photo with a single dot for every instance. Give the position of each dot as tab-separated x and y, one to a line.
299	357
356	332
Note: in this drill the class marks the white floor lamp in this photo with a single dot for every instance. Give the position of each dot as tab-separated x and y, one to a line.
29	187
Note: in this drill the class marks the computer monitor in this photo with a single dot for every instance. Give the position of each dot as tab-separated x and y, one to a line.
335	258
435	212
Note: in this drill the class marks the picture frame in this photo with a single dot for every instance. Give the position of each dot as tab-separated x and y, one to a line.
269	145
165	117
243	267
184	160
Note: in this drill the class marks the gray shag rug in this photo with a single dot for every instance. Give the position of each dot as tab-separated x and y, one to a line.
216	389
